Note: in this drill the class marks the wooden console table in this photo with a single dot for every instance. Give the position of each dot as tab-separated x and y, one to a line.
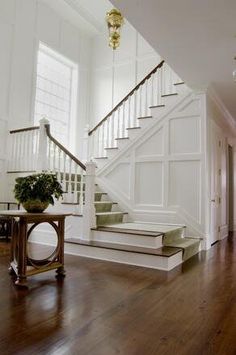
20	262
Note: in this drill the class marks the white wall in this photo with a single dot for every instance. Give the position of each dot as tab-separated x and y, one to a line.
23	23
115	73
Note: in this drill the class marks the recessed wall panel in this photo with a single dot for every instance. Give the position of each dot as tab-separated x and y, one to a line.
153	146
149	183
120	178
184	135
184	186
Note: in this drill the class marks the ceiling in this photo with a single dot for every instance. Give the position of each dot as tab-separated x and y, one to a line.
197	38
87	15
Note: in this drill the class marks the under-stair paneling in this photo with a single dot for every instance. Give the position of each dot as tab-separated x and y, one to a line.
191	142
148	184
153	146
166	162
184	186
120	178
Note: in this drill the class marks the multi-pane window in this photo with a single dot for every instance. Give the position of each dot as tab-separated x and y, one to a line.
56	92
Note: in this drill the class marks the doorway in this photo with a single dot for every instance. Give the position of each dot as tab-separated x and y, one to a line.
230	180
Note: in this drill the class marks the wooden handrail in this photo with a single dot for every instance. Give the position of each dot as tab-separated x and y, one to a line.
47	128
24	129
127	96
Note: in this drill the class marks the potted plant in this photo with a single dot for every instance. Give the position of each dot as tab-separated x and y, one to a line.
35	192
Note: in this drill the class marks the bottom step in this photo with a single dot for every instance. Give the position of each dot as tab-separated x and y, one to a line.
165	258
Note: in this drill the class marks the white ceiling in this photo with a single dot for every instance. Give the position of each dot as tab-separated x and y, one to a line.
196	37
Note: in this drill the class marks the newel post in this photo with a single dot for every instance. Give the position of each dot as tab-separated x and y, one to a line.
89	217
42	148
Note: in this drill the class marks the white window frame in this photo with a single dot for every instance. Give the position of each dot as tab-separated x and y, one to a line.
73	89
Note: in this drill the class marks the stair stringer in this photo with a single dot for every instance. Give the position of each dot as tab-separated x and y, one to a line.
165	212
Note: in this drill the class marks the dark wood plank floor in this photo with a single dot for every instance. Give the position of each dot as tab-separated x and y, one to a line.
105	308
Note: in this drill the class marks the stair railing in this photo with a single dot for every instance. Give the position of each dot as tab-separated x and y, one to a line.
147	93
34	149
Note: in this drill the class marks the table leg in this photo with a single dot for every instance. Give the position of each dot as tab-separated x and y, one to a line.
22	239
61	227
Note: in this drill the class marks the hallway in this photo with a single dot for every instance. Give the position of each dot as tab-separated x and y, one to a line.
105	308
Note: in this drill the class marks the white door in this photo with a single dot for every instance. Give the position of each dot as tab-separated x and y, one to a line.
216	154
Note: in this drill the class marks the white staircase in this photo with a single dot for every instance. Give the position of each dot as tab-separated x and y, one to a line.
97	227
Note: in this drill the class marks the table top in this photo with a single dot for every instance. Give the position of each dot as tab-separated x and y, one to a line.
27	215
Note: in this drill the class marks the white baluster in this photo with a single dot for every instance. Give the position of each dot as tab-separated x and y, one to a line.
75	183
129	112
81	194
54	158
64	173
118	122
123	121
140	100
69	179
103	138
146	97
152	90
112	129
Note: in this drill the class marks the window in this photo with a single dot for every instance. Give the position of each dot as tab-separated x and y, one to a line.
56	90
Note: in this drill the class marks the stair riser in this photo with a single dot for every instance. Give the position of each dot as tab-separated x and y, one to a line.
69	197
121	143
189	252
132	133
111	152
106	207
145	122
109	219
172	236
157	111
169	100
101	162
180	89
130	258
128	239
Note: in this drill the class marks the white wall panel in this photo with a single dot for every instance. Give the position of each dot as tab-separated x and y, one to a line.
6	41
120	179
187	142
184	186
68	45
149	183
124	78
7	11
102	92
153	146
48	26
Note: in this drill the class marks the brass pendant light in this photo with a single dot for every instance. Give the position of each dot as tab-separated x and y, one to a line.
114	21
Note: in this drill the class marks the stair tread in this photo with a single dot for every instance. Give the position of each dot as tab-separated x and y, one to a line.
133	127
163	251
180	83
127	231
143	117
109	213
120	138
173	94
156	106
111	148
105	202
144	227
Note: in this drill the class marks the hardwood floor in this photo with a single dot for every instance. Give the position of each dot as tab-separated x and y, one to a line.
104	308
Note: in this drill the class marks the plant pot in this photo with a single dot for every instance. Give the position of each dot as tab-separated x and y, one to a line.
35	206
